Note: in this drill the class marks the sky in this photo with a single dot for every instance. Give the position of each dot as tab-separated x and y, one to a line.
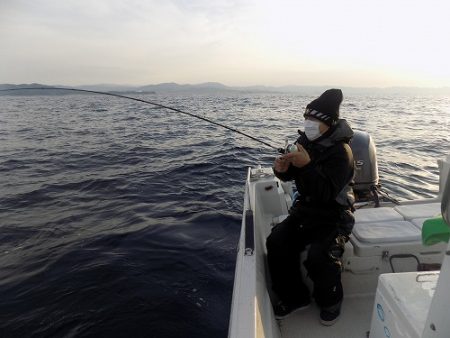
358	43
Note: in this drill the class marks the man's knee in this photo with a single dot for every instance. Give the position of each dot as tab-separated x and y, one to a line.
321	267
279	234
275	241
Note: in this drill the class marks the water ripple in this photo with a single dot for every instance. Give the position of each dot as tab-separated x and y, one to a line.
120	219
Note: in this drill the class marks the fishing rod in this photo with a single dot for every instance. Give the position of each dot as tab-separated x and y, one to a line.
148	102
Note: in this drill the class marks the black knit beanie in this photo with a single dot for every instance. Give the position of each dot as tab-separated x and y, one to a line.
326	107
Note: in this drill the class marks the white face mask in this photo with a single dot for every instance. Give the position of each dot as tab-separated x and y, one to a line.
312	130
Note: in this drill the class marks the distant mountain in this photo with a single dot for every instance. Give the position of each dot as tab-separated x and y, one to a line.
175	87
13	86
13	89
28	89
108	87
219	87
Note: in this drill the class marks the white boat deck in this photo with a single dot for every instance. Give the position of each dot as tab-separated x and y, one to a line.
354	321
384	240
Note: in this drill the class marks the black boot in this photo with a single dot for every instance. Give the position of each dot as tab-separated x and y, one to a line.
282	309
329	315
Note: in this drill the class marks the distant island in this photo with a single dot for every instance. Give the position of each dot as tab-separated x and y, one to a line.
41	89
210	87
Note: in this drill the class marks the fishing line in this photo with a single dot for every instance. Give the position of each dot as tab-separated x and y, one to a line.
148	102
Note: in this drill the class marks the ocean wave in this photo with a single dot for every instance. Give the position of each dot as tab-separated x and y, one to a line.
119	219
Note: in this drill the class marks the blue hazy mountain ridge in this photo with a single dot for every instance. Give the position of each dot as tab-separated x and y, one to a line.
216	86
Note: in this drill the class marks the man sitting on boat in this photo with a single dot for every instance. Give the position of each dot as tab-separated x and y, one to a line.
321	216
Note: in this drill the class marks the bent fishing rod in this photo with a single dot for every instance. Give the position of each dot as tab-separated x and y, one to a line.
148	102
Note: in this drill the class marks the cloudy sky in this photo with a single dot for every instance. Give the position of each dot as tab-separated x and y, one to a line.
239	42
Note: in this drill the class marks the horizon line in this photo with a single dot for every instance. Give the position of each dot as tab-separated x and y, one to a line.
233	86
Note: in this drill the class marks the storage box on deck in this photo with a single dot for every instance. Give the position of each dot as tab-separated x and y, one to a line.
402	303
392	230
395	237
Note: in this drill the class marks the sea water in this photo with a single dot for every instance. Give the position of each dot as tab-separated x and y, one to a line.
119	219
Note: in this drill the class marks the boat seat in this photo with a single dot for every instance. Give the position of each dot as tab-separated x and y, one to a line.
412	211
395	237
364	215
377	215
418	222
398	213
386	232
396	230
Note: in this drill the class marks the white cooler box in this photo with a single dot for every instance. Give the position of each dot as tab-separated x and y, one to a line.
401	304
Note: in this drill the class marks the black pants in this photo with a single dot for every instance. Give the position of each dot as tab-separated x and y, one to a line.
284	246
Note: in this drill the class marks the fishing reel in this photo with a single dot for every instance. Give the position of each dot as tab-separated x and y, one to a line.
288	148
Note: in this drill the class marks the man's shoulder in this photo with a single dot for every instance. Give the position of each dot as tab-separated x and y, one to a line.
340	147
340	150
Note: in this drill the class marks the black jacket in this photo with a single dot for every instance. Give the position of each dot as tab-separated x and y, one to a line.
324	184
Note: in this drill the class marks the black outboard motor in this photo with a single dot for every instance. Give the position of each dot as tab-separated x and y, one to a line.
366	168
